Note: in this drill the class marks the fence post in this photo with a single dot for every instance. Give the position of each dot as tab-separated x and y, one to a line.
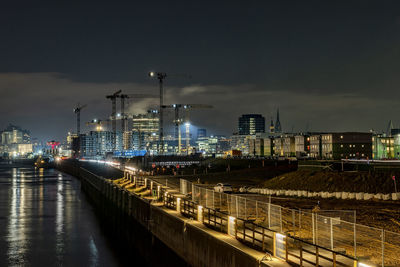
334	259
237	207
263	238
280	216
294	222
269	215
383	247
256	210
313	226
286	248
331	233
236	229
213	199
244	230
220	201
301	255
316	228
229	204
299	219
316	256
193	192
355	241
254	229
245	208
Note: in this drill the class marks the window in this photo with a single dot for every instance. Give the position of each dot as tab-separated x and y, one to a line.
362	146
341	137
341	145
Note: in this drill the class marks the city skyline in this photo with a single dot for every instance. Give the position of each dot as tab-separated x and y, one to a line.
326	66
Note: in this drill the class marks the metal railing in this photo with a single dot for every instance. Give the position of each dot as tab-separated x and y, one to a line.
374	246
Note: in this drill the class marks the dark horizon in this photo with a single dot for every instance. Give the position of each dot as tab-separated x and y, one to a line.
332	66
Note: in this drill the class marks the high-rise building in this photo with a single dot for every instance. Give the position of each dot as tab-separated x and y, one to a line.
250	124
145	131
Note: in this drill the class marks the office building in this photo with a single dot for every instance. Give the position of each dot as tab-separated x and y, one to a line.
250	124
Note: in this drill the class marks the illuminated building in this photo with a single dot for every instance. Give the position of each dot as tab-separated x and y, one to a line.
241	143
145	131
302	145
341	145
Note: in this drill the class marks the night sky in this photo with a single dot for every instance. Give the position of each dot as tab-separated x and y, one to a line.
331	65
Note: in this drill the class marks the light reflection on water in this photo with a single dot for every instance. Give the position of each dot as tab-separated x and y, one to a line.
45	220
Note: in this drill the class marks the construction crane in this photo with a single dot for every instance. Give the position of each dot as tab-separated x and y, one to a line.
113	98
123	115
77	111
161	76
178	121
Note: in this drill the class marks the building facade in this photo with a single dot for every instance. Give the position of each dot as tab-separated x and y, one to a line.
341	145
250	124
302	145
144	134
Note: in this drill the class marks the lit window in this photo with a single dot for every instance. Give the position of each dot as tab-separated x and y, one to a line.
341	145
362	146
341	137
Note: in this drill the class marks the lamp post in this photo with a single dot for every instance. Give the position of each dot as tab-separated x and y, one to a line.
160	76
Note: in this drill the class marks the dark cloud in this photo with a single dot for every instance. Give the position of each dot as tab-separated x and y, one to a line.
43	102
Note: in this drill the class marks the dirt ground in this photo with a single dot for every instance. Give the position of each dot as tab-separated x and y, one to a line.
380	214
374	213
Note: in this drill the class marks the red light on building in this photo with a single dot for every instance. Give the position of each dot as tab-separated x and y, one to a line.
53	144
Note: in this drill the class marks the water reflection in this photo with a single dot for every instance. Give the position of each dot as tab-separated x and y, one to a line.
45	220
17	241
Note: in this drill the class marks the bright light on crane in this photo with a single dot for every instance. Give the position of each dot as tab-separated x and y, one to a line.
152	74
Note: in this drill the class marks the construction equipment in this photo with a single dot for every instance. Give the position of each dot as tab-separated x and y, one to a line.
77	111
178	121
124	117
161	76
113	98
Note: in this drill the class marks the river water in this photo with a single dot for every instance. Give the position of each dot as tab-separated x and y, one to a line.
45	220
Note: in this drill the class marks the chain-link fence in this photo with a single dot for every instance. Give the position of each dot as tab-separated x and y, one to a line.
335	230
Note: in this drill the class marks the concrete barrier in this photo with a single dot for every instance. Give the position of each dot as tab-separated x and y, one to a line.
302	193
368	196
352	195
324	194
359	196
395	196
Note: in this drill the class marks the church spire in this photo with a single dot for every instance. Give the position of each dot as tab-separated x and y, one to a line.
278	127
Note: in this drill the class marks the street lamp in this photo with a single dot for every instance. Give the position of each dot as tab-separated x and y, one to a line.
160	76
